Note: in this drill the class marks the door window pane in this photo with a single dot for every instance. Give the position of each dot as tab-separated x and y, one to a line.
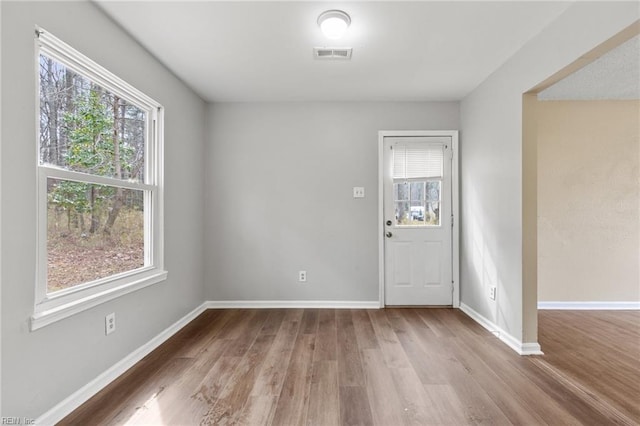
402	213
417	203
401	191
432	213
417	213
417	191
433	191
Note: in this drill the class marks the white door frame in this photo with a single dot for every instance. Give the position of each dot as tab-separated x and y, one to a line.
455	255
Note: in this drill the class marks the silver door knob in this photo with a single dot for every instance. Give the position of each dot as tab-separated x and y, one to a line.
389	234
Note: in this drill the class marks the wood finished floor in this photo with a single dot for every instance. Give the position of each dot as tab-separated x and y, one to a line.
381	367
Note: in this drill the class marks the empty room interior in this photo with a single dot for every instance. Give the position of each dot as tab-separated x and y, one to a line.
319	212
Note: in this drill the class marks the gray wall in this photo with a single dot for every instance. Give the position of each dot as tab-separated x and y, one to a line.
279	196
491	163
41	368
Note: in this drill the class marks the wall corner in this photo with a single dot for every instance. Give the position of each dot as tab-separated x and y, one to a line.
529	218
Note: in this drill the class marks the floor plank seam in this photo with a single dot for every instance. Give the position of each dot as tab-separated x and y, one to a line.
589	396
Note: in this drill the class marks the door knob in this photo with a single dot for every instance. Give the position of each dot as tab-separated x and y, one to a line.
389	234
388	223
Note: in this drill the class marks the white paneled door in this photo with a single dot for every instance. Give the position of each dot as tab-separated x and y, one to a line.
417	183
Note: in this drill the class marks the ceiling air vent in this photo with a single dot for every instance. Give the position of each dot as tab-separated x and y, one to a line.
332	52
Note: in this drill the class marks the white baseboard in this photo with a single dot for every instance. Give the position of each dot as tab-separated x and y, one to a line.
530	349
594	306
299	304
508	339
57	413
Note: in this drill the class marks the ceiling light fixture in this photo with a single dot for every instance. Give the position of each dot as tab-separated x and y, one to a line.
334	23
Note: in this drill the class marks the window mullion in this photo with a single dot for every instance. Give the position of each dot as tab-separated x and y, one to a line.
58	173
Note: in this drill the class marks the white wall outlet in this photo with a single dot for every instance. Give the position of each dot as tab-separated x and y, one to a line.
358	192
492	292
110	323
302	276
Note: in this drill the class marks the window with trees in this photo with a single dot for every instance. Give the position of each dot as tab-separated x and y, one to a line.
417	181
100	184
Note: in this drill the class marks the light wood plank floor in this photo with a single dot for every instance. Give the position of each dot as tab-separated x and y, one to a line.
381	367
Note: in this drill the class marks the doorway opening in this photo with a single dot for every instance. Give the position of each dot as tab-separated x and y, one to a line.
578	147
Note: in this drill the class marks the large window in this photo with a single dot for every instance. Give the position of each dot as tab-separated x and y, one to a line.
99	184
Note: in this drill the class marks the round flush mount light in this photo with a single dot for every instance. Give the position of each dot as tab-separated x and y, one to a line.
334	23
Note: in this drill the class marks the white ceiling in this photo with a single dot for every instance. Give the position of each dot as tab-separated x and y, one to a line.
615	75
262	51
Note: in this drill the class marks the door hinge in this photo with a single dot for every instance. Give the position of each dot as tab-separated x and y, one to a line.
452	221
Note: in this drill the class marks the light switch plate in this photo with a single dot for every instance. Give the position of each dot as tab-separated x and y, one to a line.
358	192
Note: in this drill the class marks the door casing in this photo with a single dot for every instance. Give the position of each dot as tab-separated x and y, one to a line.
455	260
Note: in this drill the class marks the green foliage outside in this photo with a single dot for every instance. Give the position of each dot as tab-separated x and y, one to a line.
91	150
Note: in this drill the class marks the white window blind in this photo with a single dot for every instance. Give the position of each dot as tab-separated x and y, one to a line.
417	161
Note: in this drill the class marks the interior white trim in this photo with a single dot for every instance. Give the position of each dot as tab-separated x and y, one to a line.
587	306
135	282
380	219
508	339
455	210
531	349
62	409
295	304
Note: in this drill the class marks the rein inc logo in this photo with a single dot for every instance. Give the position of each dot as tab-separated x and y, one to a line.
17	421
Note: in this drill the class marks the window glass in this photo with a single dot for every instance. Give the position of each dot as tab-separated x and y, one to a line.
401	191
433	191
417	203
432	214
417	191
87	129
417	213
93	232
402	213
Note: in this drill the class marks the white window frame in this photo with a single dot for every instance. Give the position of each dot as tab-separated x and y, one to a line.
49	308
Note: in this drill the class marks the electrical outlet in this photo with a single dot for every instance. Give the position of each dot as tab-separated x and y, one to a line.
492	292
110	323
302	276
358	192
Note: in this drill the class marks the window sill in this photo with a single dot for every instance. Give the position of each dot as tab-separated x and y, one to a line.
46	316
